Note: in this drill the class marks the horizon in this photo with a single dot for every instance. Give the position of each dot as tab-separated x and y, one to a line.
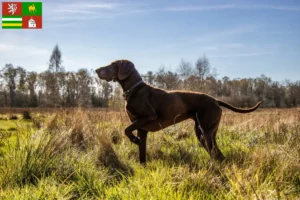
240	39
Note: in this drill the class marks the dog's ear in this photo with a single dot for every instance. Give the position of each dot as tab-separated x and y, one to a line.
125	69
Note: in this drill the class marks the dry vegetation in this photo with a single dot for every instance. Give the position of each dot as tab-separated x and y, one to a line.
83	154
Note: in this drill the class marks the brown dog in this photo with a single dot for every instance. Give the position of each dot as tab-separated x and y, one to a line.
152	109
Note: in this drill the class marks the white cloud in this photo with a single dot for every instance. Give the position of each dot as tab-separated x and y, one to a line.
61	25
272	7
34	58
90	10
14	43
68	11
200	8
247	54
26	50
85	8
224	46
210	48
233	45
102	6
30	57
183	8
221	34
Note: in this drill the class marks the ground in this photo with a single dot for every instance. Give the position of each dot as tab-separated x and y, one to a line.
83	154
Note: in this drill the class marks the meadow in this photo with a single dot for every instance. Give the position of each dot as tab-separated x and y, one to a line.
84	154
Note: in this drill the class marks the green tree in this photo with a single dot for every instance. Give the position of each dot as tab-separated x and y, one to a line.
55	62
10	75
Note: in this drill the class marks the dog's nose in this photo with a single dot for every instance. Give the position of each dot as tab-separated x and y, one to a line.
101	72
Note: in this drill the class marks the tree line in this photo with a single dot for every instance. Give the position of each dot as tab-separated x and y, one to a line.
56	87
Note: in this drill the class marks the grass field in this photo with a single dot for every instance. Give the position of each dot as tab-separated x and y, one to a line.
83	154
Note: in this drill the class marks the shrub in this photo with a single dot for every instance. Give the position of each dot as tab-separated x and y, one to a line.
13	117
27	115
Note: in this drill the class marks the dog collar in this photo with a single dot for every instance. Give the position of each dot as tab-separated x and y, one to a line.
126	93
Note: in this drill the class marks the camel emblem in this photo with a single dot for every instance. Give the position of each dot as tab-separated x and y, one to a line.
32	8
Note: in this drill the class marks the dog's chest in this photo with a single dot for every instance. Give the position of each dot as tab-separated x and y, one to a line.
131	116
132	112
136	109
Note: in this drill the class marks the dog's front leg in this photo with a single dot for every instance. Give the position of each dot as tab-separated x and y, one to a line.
134	126
149	115
142	146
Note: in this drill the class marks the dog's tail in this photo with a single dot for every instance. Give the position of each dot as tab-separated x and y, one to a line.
239	110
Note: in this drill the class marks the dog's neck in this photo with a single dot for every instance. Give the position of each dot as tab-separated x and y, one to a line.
130	85
130	81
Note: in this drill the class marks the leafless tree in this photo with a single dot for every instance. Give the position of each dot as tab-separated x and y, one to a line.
31	80
202	68
185	69
167	79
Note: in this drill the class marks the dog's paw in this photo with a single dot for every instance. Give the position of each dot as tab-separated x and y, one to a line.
135	140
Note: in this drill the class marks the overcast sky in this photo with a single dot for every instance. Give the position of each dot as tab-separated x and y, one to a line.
240	38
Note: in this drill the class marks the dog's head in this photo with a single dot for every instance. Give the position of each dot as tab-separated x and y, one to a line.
117	70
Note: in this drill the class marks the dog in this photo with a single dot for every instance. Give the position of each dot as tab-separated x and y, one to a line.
152	109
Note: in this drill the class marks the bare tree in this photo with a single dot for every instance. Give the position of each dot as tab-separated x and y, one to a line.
226	86
117	98
31	80
149	77
106	92
22	77
261	88
293	92
202	68
71	89
84	89
185	69
167	79
49	95
21	92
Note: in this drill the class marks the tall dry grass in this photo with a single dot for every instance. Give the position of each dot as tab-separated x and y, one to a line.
78	153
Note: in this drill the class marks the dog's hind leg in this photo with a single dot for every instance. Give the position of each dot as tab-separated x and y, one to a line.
206	127
199	133
142	145
215	151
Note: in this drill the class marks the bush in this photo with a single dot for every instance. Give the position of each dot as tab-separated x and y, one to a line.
13	117
27	115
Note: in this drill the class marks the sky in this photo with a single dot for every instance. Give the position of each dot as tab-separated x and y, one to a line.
241	39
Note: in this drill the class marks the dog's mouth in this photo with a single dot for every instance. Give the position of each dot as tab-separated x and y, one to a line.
104	78
109	79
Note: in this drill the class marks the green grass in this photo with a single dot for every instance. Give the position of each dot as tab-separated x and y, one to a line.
6	125
13	125
85	155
